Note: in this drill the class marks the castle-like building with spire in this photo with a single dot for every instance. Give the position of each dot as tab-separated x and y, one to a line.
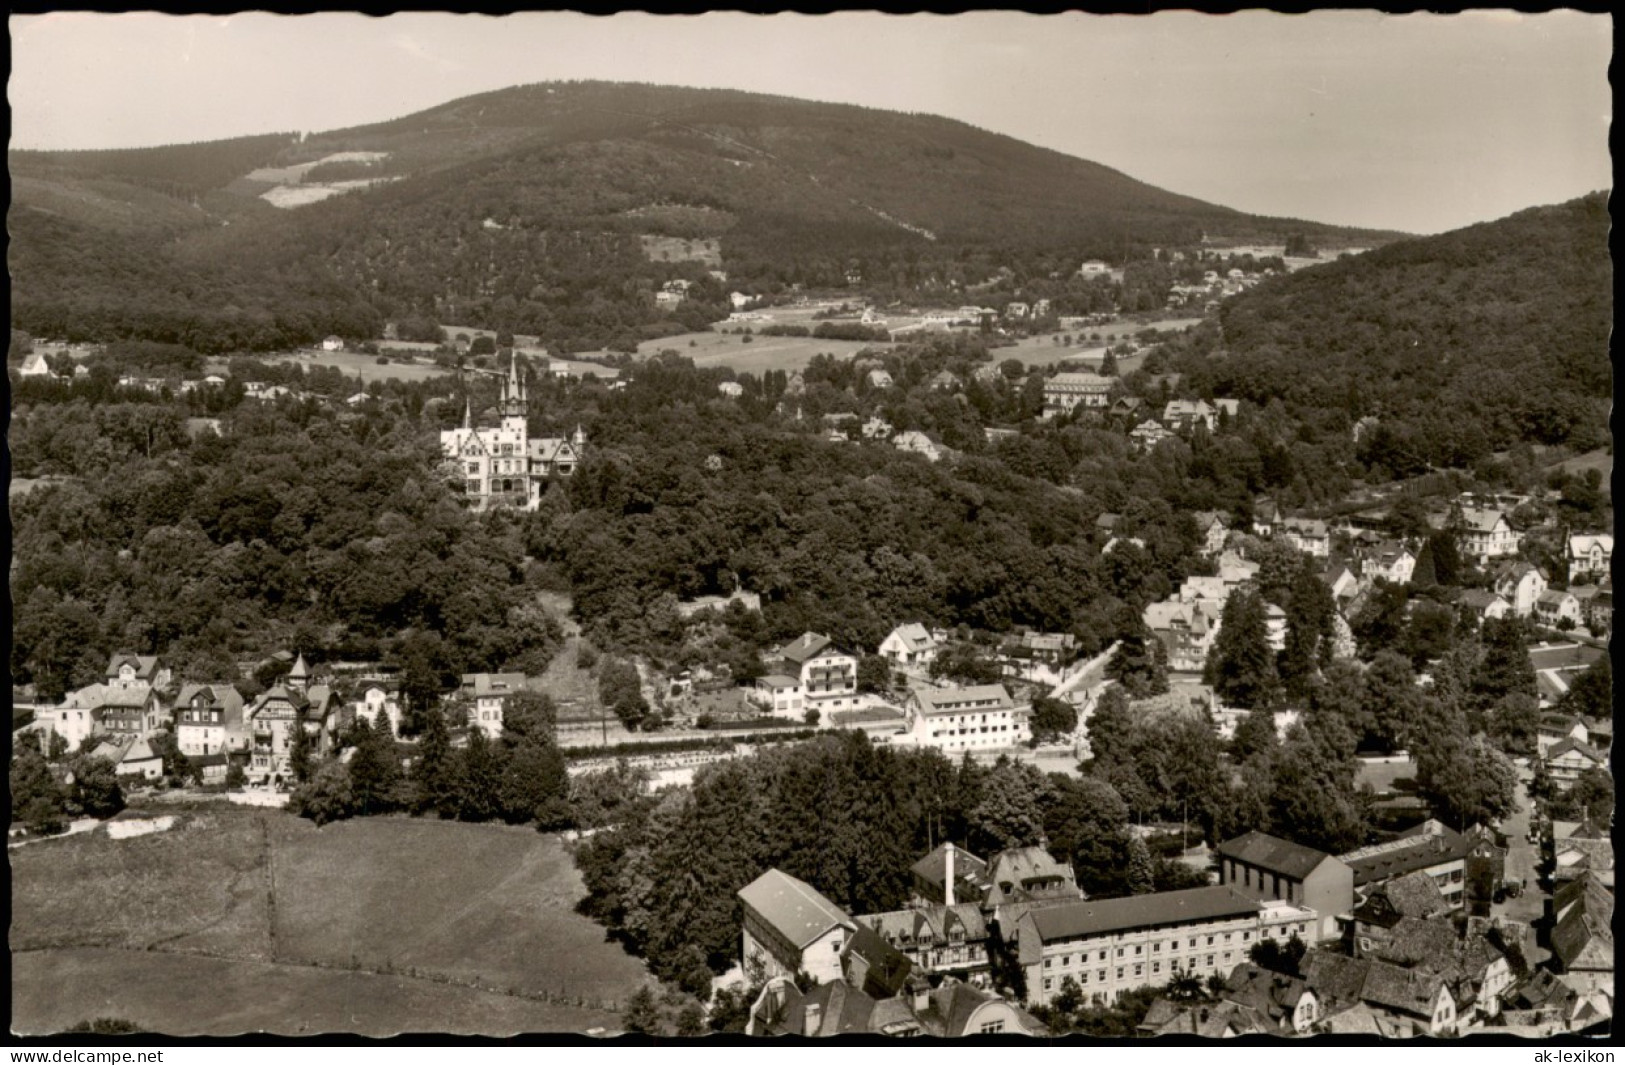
505	466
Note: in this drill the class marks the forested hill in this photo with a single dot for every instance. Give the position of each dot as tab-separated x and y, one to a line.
1459	345
516	209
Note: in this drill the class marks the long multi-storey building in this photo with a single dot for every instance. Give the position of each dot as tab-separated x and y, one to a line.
1066	391
1111	946
957	720
504	466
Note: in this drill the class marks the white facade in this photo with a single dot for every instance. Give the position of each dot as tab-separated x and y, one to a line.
958	720
1066	391
1112	961
376	699
1521	587
505	466
779	695
73	723
910	645
1590	554
1486	535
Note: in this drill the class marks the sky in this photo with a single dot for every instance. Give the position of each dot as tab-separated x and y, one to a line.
1419	123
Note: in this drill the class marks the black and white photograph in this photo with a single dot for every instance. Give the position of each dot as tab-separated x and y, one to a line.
638	529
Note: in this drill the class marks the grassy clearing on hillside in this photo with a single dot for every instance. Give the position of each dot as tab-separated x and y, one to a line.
89	890
196	996
762	353
423	904
493	907
355	363
677	249
1599	460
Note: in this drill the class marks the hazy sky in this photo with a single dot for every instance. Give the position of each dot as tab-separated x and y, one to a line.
1418	122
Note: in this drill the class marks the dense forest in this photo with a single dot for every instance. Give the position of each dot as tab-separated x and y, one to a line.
297	528
1459	345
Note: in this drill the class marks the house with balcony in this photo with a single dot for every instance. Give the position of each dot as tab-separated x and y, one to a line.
1187	631
1308	535
960	720
938	939
809	673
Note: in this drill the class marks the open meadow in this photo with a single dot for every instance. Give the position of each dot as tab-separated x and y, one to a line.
761	354
241	920
356	363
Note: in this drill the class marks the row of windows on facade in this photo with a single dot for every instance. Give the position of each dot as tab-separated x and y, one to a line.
970	731
1173	946
1139	969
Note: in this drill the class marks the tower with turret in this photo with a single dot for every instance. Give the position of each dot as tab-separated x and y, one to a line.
504	466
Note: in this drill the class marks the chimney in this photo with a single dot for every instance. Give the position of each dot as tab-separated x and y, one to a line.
811	1015
949	878
921	993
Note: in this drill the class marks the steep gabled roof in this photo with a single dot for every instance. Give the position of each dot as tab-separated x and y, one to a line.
1569	743
885	968
968	868
793	907
1336	979
807	645
1479	520
1583	936
914	635
1410	991
1414	895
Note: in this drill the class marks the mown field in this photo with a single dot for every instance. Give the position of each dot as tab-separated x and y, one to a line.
355	363
246	920
762	353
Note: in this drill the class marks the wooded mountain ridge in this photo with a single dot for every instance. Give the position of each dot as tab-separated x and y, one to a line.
516	208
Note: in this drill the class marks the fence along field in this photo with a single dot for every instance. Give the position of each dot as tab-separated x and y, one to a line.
276	924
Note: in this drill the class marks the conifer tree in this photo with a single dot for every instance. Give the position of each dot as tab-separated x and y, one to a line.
480	797
1141	870
300	750
1242	665
430	770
